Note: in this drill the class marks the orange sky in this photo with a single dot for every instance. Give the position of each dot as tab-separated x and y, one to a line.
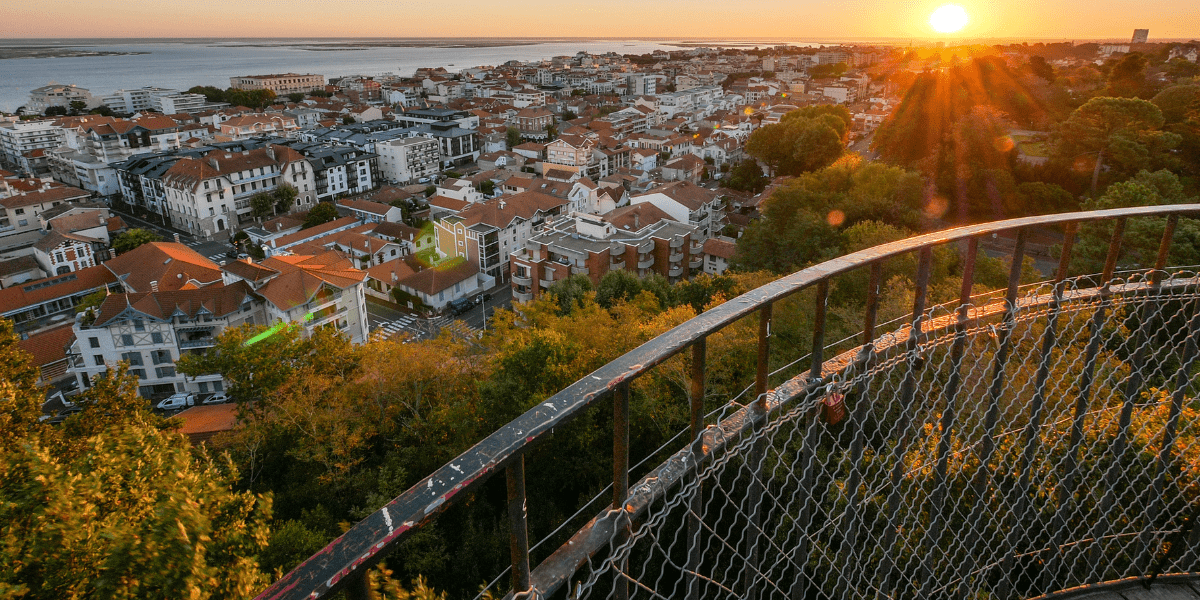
1070	19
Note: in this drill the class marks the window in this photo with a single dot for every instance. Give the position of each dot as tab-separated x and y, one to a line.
23	222
218	386
133	358
126	339
58	257
160	356
156	337
98	359
20	211
164	372
139	325
203	387
139	373
94	342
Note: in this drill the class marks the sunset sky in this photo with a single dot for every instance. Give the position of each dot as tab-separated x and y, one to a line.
1069	19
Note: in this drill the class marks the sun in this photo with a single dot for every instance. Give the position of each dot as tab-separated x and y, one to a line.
948	18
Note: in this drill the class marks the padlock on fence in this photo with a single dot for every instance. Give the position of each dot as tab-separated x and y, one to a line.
833	408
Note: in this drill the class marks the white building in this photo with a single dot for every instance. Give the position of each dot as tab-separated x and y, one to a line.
58	95
19	138
207	196
408	160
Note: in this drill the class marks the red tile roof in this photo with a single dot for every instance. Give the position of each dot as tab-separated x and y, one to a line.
169	264
49	346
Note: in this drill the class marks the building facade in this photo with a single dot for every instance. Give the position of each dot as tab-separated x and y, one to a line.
281	84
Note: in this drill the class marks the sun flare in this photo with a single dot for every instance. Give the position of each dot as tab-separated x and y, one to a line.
948	18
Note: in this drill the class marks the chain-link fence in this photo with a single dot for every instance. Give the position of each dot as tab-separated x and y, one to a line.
1004	455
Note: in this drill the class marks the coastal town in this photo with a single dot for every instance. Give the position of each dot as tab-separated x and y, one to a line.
409	301
389	206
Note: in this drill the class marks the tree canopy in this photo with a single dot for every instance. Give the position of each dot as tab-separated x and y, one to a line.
132	239
323	212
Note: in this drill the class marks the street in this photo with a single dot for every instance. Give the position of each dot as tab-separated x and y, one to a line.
388	322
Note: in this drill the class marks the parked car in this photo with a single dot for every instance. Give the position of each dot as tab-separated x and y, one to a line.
460	305
217	398
178	400
424	180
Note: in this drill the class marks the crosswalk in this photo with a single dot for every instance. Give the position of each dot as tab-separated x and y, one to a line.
216	257
423	328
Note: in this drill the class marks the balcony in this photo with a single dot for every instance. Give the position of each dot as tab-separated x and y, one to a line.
695	264
546	282
202	342
675	257
522	297
677	242
580	270
616	264
646	262
522	279
695	249
675	271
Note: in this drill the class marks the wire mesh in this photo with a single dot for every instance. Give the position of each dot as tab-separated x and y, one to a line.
1058	445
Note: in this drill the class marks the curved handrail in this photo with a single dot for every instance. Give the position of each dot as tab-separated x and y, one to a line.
368	541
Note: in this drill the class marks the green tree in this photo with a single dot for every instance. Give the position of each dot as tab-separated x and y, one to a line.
113	503
285	195
569	115
262	204
1128	76
1038	66
1177	101
551	131
210	93
78	106
1123	131
55	111
487	187
102	110
295	96
132	239
570	292
747	176
323	212
1038	197
512	137
797	145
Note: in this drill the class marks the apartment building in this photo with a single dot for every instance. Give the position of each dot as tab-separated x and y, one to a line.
340	170
209	195
58	95
51	301
20	139
408	160
59	253
151	331
688	203
641	239
281	84
486	233
570	151
257	125
19	213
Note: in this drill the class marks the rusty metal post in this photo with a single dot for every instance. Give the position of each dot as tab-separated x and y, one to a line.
937	500
1133	386
908	390
1066	489
754	461
987	445
514	477
857	416
620	484
812	438
696	503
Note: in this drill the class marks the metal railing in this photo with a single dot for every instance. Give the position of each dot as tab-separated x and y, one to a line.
1000	446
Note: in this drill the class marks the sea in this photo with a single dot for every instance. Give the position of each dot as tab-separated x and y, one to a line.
181	64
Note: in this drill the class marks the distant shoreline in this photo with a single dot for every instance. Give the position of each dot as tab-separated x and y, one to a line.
343	46
56	52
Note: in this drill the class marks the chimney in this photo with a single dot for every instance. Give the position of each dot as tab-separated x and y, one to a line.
394	278
501	205
177	238
154	286
637	222
279	226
